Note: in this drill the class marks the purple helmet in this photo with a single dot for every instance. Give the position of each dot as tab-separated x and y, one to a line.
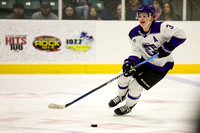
149	9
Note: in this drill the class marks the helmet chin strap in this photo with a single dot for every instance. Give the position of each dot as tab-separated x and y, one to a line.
148	22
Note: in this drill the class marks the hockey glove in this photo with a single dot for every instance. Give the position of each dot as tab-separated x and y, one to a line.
163	52
128	68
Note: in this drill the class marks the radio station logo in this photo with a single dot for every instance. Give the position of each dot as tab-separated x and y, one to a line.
81	43
47	43
15	42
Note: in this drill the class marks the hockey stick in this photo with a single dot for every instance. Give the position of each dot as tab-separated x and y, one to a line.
56	106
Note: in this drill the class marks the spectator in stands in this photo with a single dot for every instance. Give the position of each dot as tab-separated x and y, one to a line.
70	2
158	5
110	9
82	7
69	12
168	13
131	9
18	12
146	2
45	12
118	12
92	14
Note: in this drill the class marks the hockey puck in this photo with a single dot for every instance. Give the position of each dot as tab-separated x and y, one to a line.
94	125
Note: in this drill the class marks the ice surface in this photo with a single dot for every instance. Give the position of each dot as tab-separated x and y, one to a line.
171	106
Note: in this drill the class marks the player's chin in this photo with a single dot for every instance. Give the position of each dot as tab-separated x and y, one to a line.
142	25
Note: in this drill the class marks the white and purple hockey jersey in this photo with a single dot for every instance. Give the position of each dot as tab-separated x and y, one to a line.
144	45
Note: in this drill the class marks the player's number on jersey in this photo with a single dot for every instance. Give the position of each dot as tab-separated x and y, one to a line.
169	26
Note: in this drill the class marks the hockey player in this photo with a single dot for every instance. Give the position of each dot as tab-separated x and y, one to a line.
147	39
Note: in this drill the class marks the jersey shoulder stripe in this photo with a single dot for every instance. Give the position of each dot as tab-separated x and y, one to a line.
156	27
136	31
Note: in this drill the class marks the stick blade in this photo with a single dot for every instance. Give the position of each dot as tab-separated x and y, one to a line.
56	106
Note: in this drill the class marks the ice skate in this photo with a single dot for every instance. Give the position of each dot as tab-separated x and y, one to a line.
123	110
116	101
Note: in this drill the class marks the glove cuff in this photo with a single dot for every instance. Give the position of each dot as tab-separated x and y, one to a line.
162	53
166	47
129	61
134	59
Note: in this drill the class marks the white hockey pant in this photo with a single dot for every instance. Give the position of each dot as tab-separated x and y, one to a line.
130	85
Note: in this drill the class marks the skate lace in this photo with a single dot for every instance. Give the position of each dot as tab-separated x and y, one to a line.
125	109
117	99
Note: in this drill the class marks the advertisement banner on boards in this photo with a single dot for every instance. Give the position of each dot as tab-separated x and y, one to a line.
46	42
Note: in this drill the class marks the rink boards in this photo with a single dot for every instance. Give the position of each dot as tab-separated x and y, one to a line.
83	69
81	47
